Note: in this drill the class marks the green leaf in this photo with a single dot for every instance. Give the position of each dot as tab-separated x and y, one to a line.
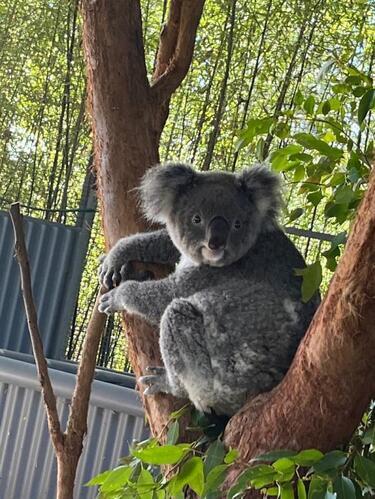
273	491
353	80
365	469
258	476
338	211
344	488
309	104
358	91
366	103
301	490
334	104
214	456
311	279
284	465
145	484
173	433
98	479
255	126
286	468
215	478
190	474
296	213
337	179
286	491
298	99
299	173
272	456
326	107
317	488
330	463
369	436
279	158
167	454
344	195
315	197
231	456
282	130
308	457
116	479
341	88
308	141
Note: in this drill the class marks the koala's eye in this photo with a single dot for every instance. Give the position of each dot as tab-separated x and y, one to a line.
196	219
237	224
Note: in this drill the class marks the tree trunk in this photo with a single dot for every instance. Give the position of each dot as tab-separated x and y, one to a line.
128	116
332	379
66	473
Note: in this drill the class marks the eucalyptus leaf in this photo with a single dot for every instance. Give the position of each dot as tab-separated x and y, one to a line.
190	474
311	279
317	488
167	454
214	455
286	491
308	141
332	461
344	488
366	103
365	469
116	479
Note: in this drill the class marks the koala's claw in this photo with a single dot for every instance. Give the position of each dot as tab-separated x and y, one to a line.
156	383
108	303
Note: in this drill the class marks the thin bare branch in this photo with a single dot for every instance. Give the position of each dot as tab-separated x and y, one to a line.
77	423
32	321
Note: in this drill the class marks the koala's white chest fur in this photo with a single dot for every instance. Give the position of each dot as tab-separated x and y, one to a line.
185	263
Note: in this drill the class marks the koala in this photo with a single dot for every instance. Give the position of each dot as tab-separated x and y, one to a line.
231	314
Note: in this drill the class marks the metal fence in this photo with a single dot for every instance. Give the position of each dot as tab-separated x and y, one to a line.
27	463
56	253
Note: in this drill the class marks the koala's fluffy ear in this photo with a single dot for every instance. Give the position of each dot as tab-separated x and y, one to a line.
263	188
161	185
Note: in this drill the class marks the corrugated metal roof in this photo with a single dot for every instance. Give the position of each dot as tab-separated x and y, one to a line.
56	254
27	463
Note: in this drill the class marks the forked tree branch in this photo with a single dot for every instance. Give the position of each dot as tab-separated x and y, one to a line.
49	397
68	445
176	47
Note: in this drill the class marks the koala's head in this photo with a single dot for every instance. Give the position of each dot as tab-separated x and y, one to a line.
212	217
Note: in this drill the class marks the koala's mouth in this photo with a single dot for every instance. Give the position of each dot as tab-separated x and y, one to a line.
213	256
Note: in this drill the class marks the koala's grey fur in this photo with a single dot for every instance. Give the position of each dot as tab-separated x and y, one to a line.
231	315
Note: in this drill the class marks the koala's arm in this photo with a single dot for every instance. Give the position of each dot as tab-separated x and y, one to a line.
148	247
148	299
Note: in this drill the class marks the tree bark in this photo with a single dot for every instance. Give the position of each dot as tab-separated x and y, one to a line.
128	116
332	379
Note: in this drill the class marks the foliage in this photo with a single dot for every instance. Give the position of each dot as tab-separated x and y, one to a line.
203	466
321	155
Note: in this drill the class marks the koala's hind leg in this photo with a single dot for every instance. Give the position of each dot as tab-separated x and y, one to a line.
184	352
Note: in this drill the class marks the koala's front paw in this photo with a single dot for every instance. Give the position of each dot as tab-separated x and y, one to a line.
111	302
156	382
112	271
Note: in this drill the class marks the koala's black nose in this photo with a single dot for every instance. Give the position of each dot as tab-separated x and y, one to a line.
218	230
